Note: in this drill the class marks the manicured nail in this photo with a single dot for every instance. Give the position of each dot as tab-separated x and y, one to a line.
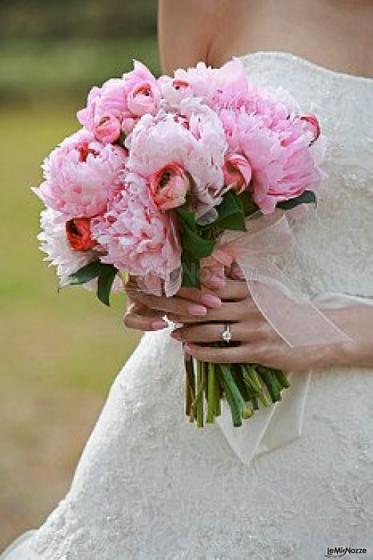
187	349
217	282
157	325
198	310
211	300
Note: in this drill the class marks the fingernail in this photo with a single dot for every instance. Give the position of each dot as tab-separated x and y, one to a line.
217	282
211	300
157	325
195	309
187	349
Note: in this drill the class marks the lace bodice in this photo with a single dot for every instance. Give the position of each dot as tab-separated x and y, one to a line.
149	486
335	253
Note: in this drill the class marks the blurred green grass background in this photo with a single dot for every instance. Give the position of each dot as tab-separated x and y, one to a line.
59	351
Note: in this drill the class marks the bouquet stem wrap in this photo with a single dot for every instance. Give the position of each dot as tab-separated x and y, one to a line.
291	314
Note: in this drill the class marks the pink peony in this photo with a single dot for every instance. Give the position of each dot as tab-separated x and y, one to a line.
138	238
55	244
142	90
194	140
108	129
277	146
119	103
59	252
173	91
237	172
144	98
105	104
169	186
210	83
81	176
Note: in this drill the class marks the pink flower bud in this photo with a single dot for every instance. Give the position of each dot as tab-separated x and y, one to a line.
314	125
237	172
169	186
107	130
144	98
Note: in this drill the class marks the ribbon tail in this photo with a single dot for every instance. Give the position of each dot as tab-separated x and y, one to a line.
246	439
286	423
271	427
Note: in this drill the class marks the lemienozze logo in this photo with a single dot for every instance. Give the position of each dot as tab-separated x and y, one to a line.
339	551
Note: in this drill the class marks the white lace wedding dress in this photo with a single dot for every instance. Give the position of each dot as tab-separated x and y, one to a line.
151	486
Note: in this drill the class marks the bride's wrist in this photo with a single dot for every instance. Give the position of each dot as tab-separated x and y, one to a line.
353	353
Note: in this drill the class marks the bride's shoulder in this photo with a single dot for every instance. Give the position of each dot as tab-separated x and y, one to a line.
188	29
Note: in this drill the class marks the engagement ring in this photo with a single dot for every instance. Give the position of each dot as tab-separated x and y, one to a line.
227	333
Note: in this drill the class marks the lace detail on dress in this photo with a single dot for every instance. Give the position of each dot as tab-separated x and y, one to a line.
334	249
151	486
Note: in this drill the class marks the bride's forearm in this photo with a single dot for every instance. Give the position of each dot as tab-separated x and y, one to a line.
357	322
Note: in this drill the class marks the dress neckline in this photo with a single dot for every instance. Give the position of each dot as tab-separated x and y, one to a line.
306	63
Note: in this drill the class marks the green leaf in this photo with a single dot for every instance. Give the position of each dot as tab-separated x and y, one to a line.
249	206
191	238
195	247
231	213
86	273
307	197
105	282
191	271
105	273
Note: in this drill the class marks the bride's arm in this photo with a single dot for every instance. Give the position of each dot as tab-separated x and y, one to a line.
259	343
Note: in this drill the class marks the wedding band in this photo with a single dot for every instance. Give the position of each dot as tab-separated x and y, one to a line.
227	333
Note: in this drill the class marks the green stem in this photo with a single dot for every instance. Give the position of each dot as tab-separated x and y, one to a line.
199	402
217	391
190	388
251	378
234	408
282	378
271	384
211	397
244	410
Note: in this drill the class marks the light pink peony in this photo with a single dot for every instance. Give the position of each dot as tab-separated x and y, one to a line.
277	146
108	129
194	140
173	91
210	83
81	176
169	186
138	238
119	103
105	103
59	253
55	244
237	172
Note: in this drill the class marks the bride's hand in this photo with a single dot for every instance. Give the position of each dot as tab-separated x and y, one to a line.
145	312
255	341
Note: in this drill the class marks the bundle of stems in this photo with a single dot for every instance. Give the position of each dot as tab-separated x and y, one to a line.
243	386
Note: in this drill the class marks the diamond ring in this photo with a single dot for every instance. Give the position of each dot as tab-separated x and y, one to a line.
227	333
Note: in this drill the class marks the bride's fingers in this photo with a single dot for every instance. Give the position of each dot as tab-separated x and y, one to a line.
229	311
212	332
139	317
233	290
194	295
228	355
172	305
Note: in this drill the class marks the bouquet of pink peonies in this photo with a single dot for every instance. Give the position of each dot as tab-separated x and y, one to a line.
168	175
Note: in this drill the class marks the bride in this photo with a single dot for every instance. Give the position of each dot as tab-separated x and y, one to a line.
151	486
